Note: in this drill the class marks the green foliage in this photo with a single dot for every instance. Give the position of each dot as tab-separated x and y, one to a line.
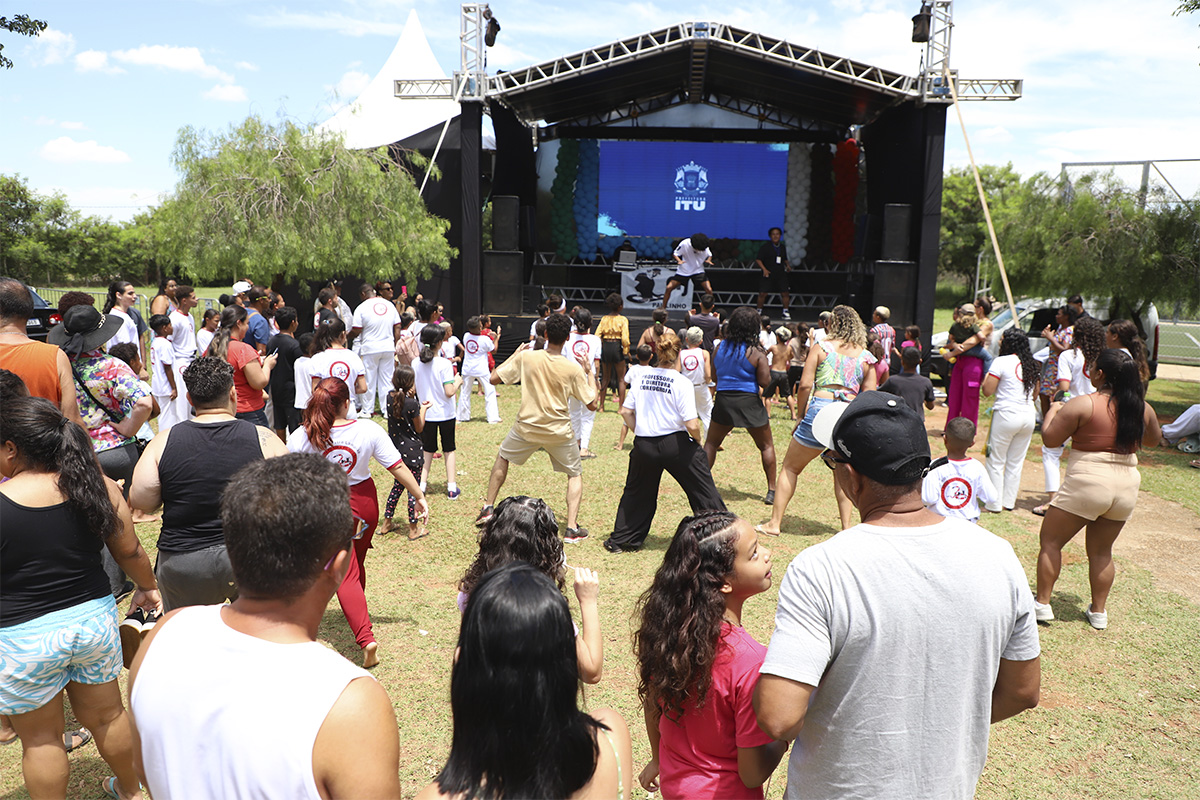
22	25
1100	238
1187	7
279	200
964	229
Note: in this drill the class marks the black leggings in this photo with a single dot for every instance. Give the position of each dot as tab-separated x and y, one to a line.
429	436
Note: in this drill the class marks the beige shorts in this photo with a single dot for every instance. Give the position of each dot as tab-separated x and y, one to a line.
564	456
1099	485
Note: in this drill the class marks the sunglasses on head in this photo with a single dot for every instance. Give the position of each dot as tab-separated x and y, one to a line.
832	459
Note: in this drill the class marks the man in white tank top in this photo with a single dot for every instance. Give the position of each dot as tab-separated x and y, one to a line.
241	700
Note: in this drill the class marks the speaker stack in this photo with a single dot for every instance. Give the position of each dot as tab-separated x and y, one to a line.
504	266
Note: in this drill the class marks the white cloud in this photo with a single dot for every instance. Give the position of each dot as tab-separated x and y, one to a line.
52	47
73	126
246	66
329	21
183	59
226	92
43	120
95	61
352	84
65	150
998	134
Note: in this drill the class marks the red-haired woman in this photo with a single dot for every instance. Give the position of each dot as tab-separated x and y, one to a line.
351	444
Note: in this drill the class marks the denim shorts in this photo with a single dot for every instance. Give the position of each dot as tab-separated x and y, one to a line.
38	658
803	433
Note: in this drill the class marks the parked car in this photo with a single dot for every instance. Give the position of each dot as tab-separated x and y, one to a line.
1034	314
44	317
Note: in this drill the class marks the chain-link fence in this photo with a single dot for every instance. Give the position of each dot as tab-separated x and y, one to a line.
1179	341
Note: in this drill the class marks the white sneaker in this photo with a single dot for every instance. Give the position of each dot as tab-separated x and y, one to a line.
1042	612
1098	620
786	314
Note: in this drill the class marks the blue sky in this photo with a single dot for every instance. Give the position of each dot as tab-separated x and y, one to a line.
93	106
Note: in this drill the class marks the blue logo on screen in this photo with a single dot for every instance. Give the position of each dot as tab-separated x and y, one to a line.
691	182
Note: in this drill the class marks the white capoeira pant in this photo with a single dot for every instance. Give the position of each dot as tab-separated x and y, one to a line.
183	409
1012	431
379	369
168	411
489	398
1185	425
582	420
704	406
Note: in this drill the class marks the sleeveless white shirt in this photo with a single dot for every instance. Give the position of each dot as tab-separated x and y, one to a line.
224	714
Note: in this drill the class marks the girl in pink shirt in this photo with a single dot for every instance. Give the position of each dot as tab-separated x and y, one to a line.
699	667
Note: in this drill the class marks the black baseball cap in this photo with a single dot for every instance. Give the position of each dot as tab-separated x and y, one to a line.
879	435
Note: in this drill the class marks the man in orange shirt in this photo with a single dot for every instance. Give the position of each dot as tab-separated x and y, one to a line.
44	367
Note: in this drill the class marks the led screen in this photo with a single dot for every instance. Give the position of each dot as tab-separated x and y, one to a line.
723	189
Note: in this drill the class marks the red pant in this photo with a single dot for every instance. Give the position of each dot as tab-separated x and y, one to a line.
963	398
364	502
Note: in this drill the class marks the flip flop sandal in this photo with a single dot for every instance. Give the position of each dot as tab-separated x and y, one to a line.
109	785
1195	464
1040	511
76	739
418	537
764	531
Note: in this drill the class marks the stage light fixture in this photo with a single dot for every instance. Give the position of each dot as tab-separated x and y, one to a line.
923	24
493	28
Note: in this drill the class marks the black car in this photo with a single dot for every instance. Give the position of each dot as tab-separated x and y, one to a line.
44	318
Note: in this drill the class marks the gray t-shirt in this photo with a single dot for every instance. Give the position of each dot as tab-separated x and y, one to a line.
902	631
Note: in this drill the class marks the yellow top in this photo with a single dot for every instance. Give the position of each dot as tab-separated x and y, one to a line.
613	326
547	383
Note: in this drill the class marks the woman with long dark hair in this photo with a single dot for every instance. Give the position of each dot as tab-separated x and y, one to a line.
613	331
164	302
58	619
330	358
328	431
741	369
1013	378
518	728
251	372
698	666
1100	489
1123	335
1074	378
836	370
1058	341
120	298
524	529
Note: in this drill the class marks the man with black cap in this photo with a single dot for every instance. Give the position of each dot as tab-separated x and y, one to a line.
898	640
691	255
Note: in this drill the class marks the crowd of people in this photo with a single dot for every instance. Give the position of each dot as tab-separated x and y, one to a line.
268	510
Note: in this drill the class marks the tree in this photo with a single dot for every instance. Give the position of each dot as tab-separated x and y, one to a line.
964	230
279	200
24	26
1187	7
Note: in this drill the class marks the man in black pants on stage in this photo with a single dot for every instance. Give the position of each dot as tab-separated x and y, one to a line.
660	408
773	261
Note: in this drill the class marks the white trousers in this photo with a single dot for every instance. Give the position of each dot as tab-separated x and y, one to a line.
704	406
1185	425
183	409
582	419
379	368
1051	456
1008	442
489	398
168	412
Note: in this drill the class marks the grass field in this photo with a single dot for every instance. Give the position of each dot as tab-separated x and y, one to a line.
1120	712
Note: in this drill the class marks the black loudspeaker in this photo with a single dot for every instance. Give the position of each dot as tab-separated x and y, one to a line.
505	232
503	271
896	288
897	223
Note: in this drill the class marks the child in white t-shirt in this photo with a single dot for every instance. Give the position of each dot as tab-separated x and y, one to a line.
476	348
303	380
644	354
163	381
452	349
956	483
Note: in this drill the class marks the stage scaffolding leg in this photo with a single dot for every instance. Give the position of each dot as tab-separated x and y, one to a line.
471	133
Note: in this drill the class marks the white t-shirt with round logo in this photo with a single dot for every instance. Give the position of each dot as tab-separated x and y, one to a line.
691	365
377	319
430	378
662	400
1072	366
354	444
586	346
477	347
955	489
1010	391
337	363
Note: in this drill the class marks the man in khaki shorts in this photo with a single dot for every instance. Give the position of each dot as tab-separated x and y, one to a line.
548	381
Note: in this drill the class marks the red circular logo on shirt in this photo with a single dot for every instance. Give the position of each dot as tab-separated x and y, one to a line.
340	369
580	348
690	363
343	456
380	307
956	493
472	347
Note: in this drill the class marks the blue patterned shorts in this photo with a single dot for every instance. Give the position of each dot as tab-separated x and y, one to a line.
40	657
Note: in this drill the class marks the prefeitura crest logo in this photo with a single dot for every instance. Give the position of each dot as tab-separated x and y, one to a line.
691	185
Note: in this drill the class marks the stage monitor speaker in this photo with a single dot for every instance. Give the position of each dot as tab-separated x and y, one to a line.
503	273
505	230
896	288
897	223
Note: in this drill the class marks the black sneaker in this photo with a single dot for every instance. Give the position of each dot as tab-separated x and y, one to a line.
485	515
769	500
613	547
575	535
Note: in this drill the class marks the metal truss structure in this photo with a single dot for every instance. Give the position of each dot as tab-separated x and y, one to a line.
594	296
1144	190
932	85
